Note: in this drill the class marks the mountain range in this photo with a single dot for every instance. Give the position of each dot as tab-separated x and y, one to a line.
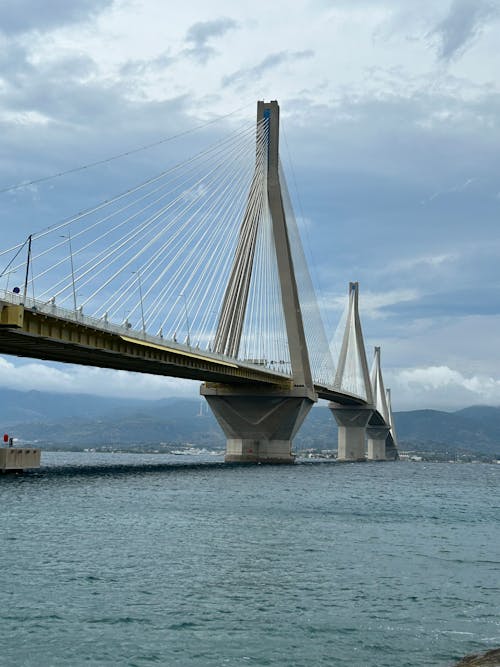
80	420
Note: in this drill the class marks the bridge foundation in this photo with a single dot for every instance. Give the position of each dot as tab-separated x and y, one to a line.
376	442
259	425
352	421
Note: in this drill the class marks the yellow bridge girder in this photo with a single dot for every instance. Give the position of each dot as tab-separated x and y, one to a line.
28	332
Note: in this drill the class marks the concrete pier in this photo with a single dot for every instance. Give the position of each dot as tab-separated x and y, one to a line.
352	421
376	442
259	425
17	459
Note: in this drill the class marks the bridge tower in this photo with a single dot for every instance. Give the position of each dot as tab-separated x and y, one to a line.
378	432
352	420
260	422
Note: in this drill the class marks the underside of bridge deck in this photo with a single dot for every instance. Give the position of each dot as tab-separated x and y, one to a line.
29	333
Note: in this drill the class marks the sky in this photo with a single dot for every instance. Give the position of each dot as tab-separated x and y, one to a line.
390	113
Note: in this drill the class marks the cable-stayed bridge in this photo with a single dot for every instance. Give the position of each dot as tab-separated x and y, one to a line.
199	272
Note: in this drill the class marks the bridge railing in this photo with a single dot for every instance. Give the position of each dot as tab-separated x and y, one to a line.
102	324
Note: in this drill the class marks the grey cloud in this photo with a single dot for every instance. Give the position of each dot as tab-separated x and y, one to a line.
139	67
463	22
29	88
197	37
270	62
14	62
73	67
19	16
199	34
88	122
364	167
453	302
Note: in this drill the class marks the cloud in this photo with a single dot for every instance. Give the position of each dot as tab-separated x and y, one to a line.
197	37
67	378
270	62
467	343
422	262
374	304
370	141
440	388
200	34
141	67
464	21
13	55
460	187
19	16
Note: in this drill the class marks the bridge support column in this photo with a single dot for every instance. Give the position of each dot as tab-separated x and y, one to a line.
259	425
352	421
376	442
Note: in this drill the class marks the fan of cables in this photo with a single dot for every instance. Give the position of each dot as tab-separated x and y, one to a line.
157	258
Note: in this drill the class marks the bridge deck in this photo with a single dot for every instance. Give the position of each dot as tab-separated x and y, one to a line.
34	331
30	332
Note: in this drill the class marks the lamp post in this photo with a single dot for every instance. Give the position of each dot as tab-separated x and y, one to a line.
139	282
187	320
63	236
28	260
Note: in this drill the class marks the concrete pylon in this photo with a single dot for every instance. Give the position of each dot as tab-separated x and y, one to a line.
352	420
352	353
379	426
376	442
260	423
378	389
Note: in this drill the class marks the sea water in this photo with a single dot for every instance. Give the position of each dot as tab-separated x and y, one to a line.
137	560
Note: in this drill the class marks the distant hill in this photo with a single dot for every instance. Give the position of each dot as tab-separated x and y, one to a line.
25	406
84	421
475	429
489	418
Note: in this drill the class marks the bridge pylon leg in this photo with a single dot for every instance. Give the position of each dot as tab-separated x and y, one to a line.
376	442
352	422
259	425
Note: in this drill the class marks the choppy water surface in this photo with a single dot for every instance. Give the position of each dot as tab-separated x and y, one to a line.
143	560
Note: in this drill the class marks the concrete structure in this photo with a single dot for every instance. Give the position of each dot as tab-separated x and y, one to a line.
259	407
379	426
260	424
17	459
376	442
352	420
39	330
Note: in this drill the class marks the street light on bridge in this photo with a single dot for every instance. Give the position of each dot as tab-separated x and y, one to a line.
68	236
188	340
139	282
